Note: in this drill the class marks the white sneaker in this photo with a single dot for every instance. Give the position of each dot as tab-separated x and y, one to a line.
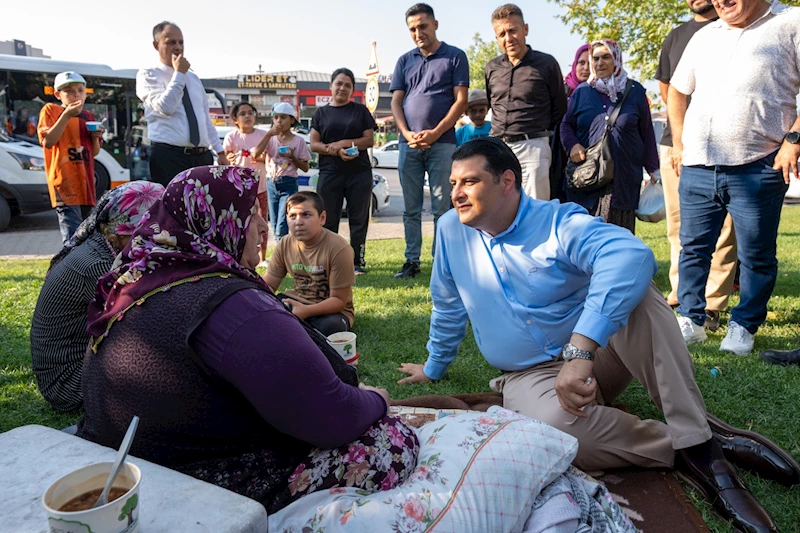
691	332
738	340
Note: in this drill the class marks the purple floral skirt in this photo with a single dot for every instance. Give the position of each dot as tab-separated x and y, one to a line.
383	457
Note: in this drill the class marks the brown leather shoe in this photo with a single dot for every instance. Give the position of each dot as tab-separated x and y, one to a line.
720	484
755	452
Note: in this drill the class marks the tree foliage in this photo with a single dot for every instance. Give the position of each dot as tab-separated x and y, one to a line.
479	53
639	26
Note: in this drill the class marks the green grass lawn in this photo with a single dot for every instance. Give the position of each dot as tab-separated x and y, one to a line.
392	328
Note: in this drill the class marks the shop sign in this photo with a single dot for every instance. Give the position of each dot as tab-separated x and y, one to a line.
266	81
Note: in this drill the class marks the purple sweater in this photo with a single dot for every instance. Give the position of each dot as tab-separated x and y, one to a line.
255	344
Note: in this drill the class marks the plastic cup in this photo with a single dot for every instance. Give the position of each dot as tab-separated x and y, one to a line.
284	150
94	126
353	150
118	516
345	345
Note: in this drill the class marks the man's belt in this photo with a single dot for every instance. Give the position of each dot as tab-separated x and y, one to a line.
525	136
186	150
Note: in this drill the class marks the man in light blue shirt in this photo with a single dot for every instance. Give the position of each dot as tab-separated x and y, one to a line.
564	304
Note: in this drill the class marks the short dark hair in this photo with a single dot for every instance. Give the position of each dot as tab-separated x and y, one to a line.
306	196
497	154
237	107
507	10
158	29
347	72
420	9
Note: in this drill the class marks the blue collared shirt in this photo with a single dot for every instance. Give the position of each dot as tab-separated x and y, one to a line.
556	270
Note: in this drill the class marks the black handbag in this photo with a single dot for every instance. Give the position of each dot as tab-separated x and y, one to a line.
597	170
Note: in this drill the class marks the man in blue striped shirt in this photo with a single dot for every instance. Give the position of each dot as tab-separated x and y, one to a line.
564	304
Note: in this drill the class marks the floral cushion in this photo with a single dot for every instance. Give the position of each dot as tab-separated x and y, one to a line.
475	472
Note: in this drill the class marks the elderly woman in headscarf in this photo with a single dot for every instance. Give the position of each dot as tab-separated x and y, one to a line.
633	142
58	331
581	70
230	386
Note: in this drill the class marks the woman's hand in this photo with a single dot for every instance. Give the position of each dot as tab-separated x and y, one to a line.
231	157
578	153
383	392
343	154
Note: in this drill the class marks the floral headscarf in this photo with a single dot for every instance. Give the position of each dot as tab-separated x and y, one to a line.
118	212
572	78
614	84
199	227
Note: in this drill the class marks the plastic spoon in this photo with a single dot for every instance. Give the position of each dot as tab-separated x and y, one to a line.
120	460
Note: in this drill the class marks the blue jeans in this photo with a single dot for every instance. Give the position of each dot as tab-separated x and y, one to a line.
753	195
69	218
412	165
279	190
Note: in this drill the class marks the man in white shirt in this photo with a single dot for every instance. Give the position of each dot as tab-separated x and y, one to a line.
734	148
176	110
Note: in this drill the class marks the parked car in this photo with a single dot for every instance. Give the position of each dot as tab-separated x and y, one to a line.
308	180
23	183
386	156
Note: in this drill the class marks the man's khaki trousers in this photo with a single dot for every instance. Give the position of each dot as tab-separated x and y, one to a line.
723	261
649	348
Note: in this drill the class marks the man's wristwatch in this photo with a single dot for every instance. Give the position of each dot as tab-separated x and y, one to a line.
793	137
570	352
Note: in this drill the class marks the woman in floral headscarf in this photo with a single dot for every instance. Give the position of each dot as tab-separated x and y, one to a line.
633	142
58	330
228	384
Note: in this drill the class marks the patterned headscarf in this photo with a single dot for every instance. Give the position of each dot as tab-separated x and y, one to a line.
614	84
118	212
572	78
199	227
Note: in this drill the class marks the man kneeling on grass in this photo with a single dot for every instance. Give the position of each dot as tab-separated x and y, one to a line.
321	263
564	304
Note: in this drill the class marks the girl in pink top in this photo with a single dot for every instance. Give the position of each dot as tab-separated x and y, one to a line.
285	153
240	145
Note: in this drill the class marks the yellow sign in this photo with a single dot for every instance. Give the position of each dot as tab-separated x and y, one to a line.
372	94
266	81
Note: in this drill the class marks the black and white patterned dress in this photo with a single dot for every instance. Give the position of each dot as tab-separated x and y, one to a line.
58	331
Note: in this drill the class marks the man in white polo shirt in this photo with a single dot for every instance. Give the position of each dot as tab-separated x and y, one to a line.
176	110
734	149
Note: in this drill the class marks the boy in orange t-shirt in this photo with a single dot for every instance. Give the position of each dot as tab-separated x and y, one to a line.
69	150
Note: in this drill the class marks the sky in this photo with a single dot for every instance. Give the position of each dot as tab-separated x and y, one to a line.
311	35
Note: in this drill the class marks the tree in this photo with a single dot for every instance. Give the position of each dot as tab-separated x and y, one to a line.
639	27
479	53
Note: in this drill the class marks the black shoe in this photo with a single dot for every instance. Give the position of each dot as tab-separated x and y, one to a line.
712	320
755	452
359	271
409	270
719	482
782	357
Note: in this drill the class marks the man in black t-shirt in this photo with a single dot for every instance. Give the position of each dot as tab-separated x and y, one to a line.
723	262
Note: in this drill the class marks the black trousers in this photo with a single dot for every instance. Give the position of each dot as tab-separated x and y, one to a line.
357	189
325	324
167	161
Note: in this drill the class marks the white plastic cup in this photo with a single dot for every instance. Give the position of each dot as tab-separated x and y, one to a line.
118	516
94	126
345	345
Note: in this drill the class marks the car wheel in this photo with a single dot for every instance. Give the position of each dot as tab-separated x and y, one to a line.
102	181
374	162
5	214
374	206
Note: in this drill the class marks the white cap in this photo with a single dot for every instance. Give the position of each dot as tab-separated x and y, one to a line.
284	108
65	78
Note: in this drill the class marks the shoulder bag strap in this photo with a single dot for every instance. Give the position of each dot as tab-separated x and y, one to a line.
614	114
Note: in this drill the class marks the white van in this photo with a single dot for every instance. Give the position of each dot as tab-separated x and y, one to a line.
23	183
